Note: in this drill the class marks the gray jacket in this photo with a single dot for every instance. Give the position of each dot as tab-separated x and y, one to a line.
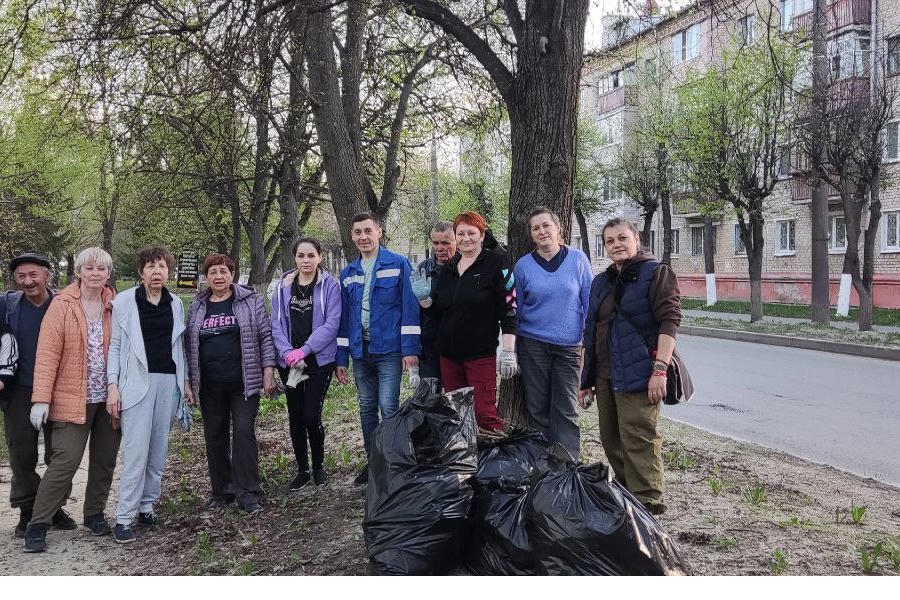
257	348
127	360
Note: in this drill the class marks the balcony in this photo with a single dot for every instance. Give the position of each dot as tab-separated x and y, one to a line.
620	96
838	14
801	190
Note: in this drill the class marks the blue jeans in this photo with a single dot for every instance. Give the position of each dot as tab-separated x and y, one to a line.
378	378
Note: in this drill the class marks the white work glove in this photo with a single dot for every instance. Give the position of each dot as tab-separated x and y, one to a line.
509	365
421	285
414	378
296	375
39	412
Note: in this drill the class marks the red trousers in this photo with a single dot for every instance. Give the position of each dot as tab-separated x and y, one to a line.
480	374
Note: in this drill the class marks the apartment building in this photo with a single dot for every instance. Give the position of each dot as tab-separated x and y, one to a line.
694	38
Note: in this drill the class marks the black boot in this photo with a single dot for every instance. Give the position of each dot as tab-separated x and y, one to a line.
24	518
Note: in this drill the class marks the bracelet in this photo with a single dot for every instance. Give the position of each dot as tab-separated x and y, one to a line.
660	364
658	373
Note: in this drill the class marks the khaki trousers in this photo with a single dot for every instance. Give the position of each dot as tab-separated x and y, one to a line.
632	445
69	442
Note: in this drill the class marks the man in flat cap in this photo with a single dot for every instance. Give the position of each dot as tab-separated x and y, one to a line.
22	311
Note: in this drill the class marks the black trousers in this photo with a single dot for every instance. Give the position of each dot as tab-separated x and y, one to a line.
304	404
430	361
22	441
229	427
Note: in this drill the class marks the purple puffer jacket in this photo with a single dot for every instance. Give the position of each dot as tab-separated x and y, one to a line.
326	318
257	350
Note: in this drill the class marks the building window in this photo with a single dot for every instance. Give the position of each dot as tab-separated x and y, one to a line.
787	15
849	56
697	241
617	78
611	189
610	129
747	32
783	164
784	237
686	44
676	242
601	248
893	57
892	231
738	244
653	242
837	233
892	141
576	242
414	259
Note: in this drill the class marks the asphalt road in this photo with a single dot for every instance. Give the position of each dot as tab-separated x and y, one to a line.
834	409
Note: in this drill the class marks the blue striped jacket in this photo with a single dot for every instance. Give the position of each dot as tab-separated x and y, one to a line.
393	309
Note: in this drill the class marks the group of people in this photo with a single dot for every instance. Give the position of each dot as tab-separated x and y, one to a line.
92	367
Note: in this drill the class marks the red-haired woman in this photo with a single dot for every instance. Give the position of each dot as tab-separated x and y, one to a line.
474	299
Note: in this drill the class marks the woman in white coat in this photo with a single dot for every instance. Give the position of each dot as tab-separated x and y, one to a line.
147	380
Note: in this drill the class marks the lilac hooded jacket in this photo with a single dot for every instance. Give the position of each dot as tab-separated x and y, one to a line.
326	318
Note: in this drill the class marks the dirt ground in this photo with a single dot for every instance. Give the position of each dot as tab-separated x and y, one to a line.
734	509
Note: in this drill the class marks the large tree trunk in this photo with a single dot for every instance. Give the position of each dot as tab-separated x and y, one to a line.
709	260
648	224
821	291
666	207
866	300
342	166
543	115
754	265
583	230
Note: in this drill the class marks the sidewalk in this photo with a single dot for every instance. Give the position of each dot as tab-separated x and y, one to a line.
790	320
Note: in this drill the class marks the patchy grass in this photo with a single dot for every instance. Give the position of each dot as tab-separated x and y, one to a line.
801	330
880	316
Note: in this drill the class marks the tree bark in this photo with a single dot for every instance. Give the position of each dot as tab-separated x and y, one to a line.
342	166
650	210
541	100
821	292
754	264
666	207
583	230
866	299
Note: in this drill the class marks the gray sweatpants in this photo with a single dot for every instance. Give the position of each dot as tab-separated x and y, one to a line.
551	376
145	443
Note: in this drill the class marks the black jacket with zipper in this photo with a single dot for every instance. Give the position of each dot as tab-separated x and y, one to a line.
472	309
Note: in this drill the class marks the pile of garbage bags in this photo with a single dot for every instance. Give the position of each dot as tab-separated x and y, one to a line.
438	498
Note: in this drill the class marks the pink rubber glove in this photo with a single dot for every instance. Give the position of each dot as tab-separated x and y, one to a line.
294	356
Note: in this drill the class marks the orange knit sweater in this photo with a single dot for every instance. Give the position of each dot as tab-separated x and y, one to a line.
60	372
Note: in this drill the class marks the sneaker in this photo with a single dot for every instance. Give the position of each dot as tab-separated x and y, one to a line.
36	538
97	524
61	520
22	525
319	477
253	508
123	534
217	503
363	476
300	480
147	519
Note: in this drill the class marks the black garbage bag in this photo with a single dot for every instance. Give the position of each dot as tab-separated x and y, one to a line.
499	543
581	522
418	497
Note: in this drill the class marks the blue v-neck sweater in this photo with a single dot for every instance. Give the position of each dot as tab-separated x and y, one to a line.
552	306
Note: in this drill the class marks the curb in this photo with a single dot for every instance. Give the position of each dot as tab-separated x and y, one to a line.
771	339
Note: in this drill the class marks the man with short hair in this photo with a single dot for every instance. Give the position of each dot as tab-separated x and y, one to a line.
23	311
379	326
443	245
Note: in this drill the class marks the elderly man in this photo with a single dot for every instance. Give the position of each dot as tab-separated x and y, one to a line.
23	311
443	245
